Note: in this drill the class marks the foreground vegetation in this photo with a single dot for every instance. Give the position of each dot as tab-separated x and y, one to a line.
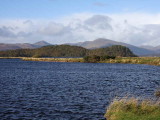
135	60
133	109
96	59
129	60
53	59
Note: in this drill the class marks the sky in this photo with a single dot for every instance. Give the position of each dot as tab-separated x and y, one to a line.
135	22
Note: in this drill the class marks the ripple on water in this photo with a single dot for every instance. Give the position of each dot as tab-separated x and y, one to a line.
69	91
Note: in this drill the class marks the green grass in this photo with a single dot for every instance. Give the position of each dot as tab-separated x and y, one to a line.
128	60
135	60
133	109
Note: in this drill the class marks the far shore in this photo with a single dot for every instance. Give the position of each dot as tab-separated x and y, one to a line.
124	60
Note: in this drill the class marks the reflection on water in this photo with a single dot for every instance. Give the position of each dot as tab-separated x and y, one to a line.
69	91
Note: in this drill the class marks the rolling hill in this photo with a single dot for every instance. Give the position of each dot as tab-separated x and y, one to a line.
155	49
115	50
102	43
42	43
98	43
68	51
39	44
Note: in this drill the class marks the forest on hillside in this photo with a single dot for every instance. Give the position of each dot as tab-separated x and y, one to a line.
69	51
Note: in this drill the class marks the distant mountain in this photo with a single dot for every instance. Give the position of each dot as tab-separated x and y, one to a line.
8	47
39	44
155	49
42	43
102	43
26	45
147	47
98	43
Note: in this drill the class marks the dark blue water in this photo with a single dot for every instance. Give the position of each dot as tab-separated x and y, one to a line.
69	91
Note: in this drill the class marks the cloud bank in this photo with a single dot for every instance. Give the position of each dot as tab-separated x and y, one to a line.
132	28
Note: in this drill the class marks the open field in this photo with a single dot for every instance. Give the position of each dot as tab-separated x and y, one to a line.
133	109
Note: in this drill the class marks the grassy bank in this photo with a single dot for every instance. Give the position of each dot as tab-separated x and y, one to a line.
132	109
129	60
125	60
54	59
135	60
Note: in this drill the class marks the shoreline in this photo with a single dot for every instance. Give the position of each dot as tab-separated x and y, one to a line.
124	60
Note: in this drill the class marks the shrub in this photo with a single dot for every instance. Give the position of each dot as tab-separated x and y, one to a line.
95	58
92	59
102	58
157	93
36	56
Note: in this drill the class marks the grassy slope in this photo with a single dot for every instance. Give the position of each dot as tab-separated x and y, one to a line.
132	109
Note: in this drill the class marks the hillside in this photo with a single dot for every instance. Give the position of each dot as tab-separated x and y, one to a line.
147	47
116	50
98	43
61	51
47	51
102	43
8	47
67	51
156	49
39	44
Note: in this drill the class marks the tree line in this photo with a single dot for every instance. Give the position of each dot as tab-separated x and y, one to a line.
69	51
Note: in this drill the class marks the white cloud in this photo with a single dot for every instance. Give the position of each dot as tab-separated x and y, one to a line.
99	22
53	29
132	28
6	32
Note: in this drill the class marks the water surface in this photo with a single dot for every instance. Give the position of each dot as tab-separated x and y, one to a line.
69	91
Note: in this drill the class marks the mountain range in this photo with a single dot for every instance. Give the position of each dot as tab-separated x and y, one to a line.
98	43
156	49
39	44
102	43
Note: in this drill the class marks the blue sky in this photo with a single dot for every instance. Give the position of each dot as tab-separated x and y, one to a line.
56	8
136	22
